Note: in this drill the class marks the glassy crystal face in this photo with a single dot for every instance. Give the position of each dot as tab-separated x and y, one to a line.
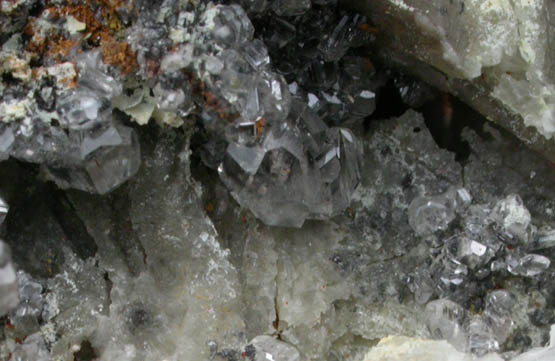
293	170
104	158
3	210
430	214
446	321
9	297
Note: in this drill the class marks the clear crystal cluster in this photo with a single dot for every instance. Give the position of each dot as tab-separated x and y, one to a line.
79	143
495	239
282	160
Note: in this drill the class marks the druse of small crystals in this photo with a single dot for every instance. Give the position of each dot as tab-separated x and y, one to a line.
196	180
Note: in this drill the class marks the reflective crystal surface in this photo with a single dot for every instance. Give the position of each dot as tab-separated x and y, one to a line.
9	296
276	174
430	214
3	210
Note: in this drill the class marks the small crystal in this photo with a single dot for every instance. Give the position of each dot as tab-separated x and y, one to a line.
80	110
445	320
529	265
513	216
291	7
274	96
26	316
9	297
233	26
422	286
471	252
269	349
280	32
428	215
256	54
168	99
6	140
93	75
178	60
499	305
3	210
481	340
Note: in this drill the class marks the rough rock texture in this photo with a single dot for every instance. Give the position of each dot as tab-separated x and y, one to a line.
496	55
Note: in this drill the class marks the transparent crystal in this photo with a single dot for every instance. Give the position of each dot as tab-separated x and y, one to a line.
6	140
269	349
499	306
445	320
449	271
107	157
513	216
290	7
93	75
529	265
81	109
3	210
428	215
274	96
256	54
233	26
422	285
293	170
9	297
280	32
30	308
481	339
471	251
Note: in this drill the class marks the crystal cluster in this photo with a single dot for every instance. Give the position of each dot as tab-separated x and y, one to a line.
78	143
494	238
418	254
282	161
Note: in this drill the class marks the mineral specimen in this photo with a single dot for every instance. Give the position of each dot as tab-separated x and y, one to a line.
237	180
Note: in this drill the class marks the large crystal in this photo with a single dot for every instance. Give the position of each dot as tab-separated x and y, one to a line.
296	170
9	297
105	159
